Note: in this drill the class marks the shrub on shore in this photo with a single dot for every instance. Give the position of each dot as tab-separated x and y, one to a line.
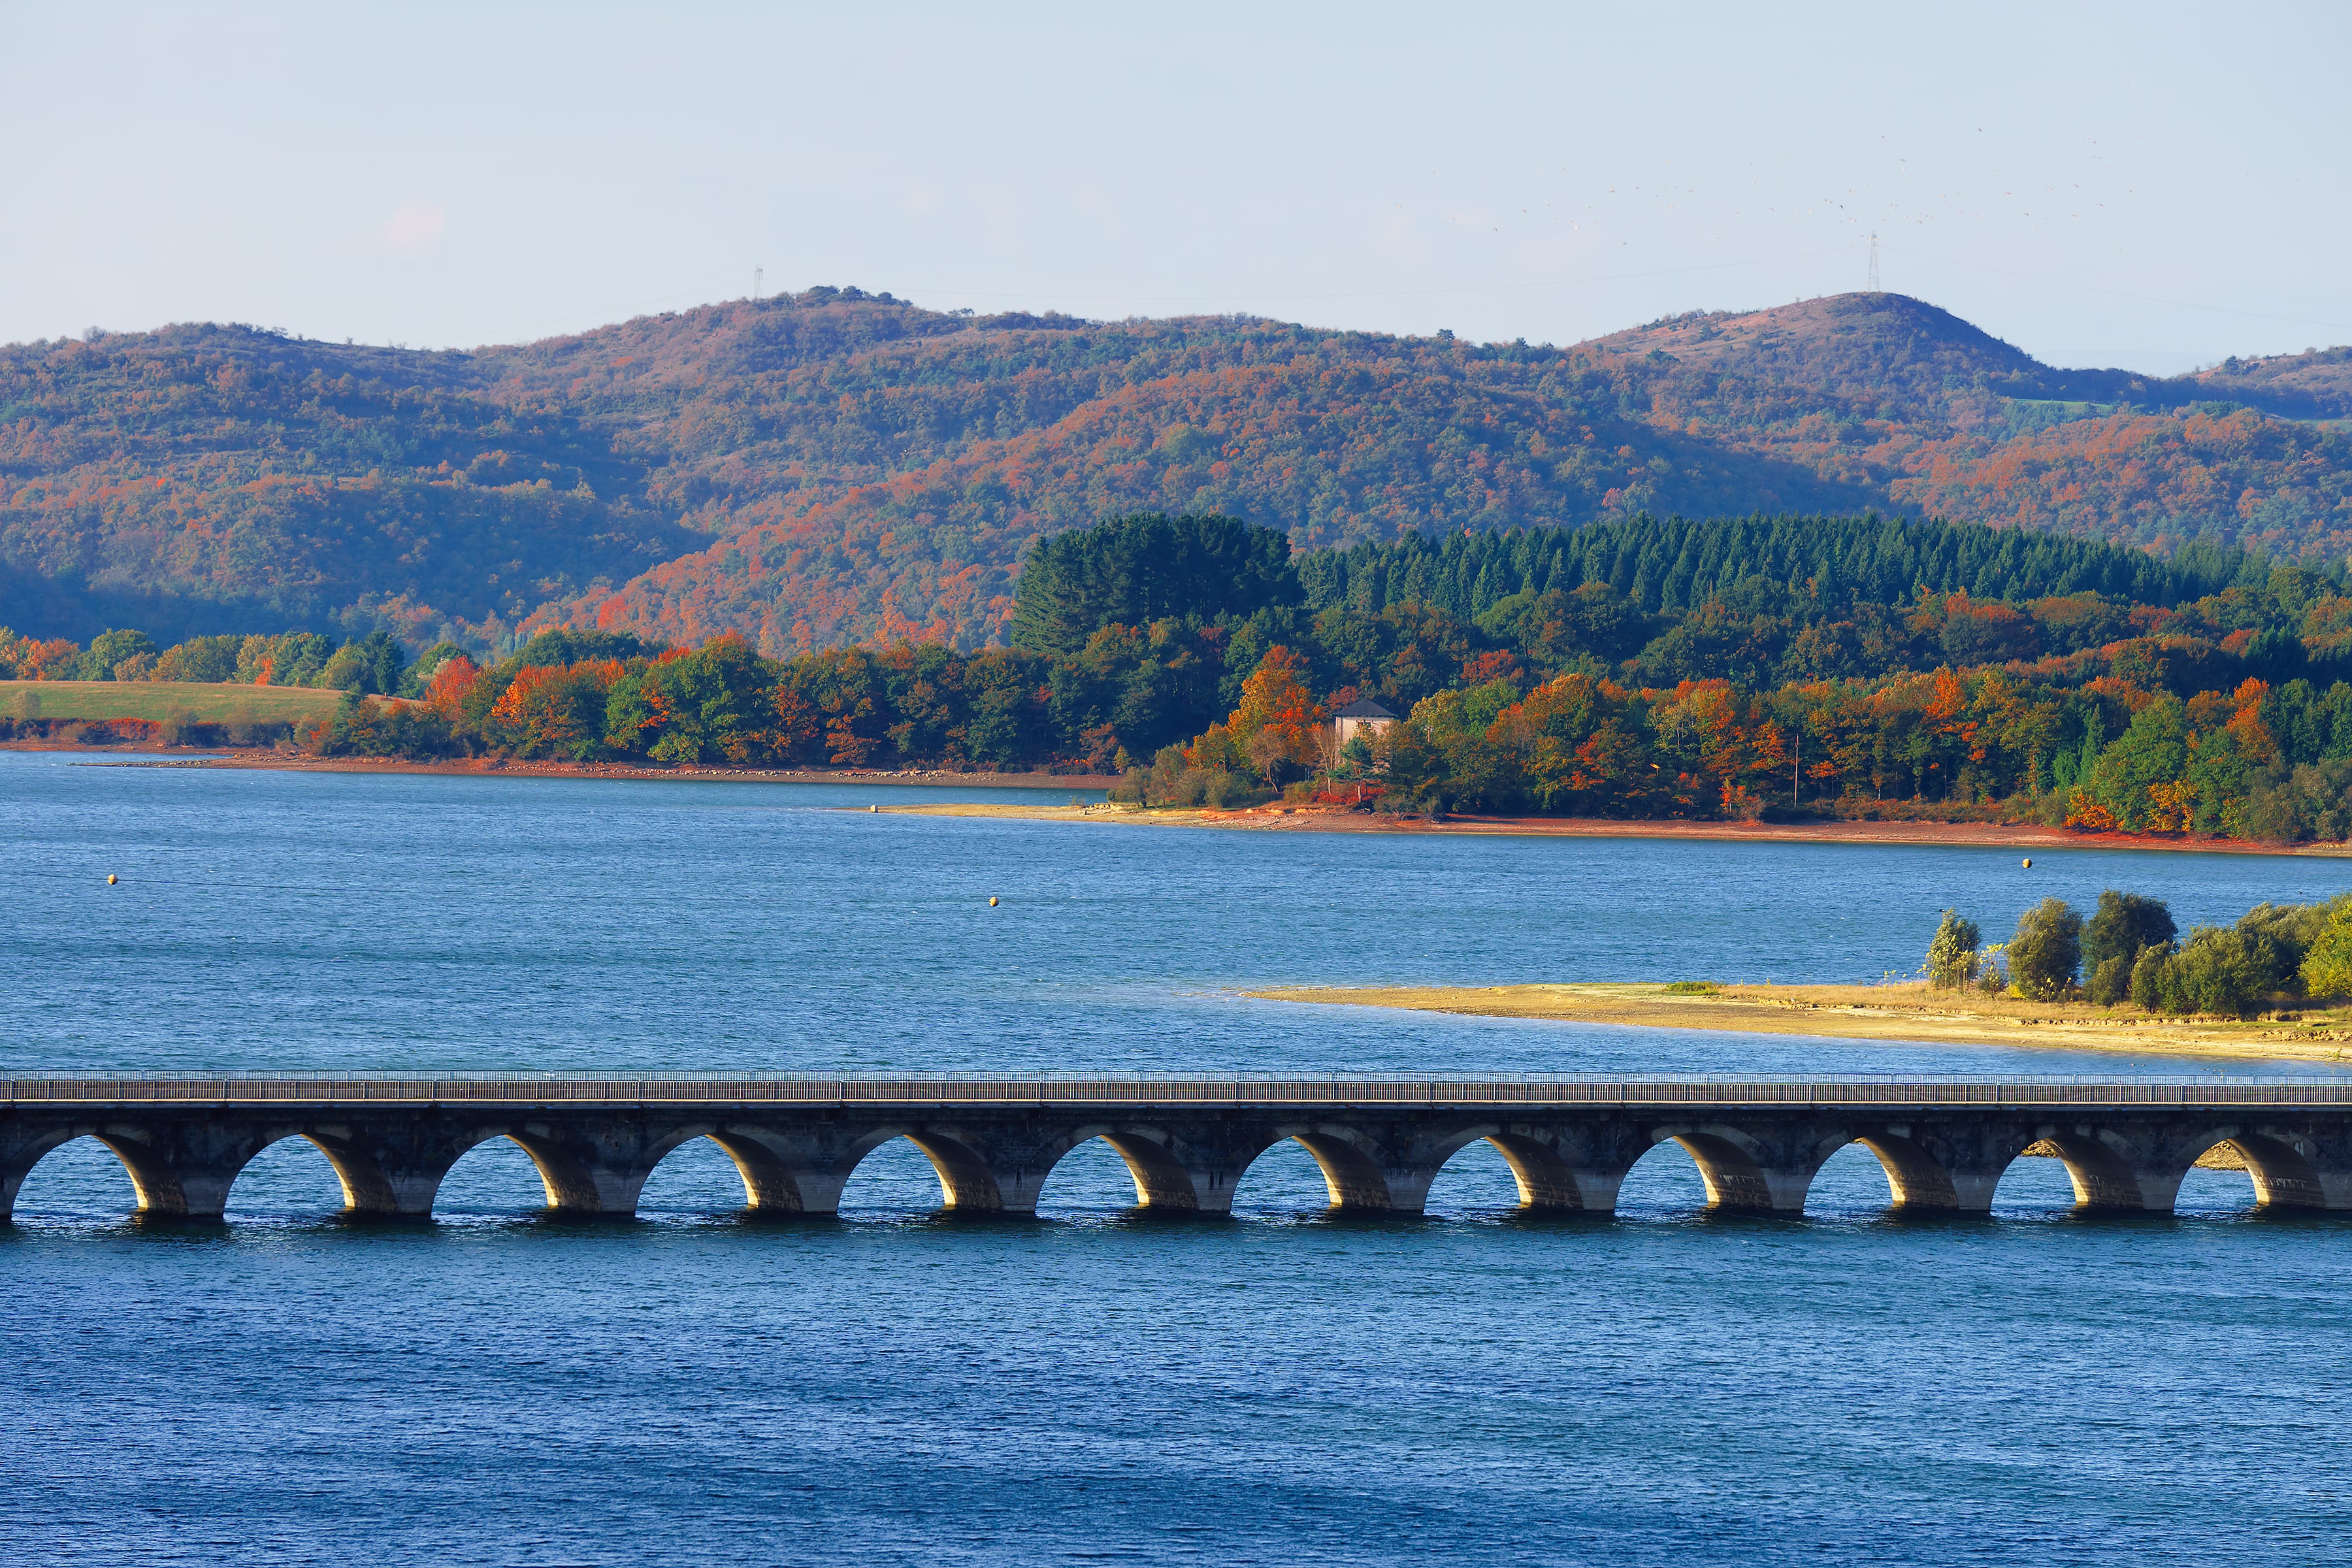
1952	957
2277	955
2123	926
2328	965
2046	953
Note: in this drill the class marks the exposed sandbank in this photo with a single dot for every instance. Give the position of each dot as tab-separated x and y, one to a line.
1898	1012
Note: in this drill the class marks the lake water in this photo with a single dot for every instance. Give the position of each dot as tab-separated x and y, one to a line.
895	1387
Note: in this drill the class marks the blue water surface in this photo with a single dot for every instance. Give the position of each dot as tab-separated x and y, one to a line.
896	1386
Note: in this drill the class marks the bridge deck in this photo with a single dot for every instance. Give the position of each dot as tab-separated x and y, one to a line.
340	1089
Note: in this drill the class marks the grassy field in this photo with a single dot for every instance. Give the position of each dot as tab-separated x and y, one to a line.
158	699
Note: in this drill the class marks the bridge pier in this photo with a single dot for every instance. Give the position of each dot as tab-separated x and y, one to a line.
1752	1170
180	1167
996	1164
1559	1166
391	1165
1180	1163
2296	1168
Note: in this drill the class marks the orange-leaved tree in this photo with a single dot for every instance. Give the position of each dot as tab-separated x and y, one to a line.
1272	729
550	713
714	704
451	684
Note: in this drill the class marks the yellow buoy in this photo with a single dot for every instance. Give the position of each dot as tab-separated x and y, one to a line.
873	809
2029	863
991	903
110	878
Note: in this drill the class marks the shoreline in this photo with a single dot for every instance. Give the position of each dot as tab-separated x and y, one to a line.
1274	817
1324	819
1904	1013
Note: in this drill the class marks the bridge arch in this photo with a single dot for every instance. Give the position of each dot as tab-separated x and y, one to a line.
156	1183
366	1187
1918	1180
1351	1168
160	1191
566	1180
1478	1170
1346	1160
2103	1179
1158	1164
966	1182
1545	1182
1734	1168
2283	1173
770	1187
169	1179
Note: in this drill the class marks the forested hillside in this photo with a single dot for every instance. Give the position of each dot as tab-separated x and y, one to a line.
836	467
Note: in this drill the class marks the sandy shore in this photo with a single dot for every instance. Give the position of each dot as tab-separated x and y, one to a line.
1324	819
1899	1012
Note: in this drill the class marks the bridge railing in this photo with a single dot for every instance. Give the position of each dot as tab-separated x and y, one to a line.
1169	1092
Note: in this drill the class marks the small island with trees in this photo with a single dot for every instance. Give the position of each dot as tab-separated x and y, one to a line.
2278	984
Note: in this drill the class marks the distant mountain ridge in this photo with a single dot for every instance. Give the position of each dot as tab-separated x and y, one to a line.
837	467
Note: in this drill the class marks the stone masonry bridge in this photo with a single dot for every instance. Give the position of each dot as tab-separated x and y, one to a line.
1188	1142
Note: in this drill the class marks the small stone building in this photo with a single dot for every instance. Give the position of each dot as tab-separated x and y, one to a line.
1362	717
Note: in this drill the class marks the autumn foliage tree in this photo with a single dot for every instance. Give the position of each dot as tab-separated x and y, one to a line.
1272	732
556	712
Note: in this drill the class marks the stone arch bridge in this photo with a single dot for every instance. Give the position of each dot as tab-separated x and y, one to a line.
1187	1143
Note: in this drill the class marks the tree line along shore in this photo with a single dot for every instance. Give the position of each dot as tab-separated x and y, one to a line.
1736	670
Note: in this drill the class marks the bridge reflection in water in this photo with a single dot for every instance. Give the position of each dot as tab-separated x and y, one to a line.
1187	1143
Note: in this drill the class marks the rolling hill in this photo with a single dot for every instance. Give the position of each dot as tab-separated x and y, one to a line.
834	467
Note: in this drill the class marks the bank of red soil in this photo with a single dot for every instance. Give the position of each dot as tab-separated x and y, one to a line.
1270	818
485	767
1341	819
494	767
2011	836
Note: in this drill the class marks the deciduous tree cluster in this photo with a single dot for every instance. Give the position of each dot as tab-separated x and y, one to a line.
2277	955
1739	668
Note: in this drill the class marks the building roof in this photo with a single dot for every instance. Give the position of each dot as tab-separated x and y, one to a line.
1363	708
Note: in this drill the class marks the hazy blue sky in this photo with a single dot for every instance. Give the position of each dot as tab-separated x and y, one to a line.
2147	184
